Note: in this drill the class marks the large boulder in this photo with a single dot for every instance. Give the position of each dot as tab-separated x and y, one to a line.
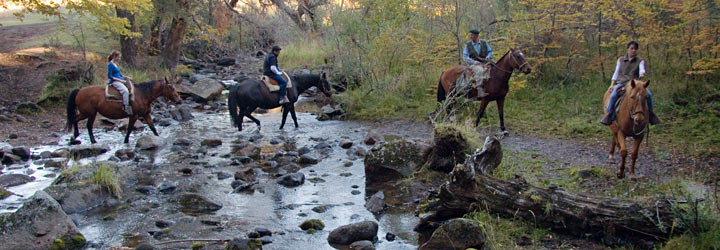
393	160
376	203
149	142
39	224
456	234
448	148
79	199
345	235
10	180
85	151
206	88
197	204
23	152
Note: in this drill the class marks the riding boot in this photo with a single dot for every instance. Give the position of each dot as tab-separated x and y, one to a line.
128	109
284	100
654	120
607	120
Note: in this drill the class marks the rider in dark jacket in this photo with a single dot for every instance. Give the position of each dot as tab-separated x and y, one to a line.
271	69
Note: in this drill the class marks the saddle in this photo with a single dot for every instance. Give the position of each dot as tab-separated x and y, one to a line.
621	96
113	95
272	85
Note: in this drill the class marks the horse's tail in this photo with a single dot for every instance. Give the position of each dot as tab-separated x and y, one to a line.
233	106
441	91
71	106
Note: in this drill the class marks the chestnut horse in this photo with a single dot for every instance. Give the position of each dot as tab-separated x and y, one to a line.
632	120
496	85
91	100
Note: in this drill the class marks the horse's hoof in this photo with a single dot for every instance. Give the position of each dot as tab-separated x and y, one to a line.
75	142
505	133
620	175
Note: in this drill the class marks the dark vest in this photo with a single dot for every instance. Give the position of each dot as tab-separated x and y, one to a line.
474	54
270	60
629	69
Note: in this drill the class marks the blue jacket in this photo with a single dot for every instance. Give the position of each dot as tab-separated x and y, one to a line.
114	71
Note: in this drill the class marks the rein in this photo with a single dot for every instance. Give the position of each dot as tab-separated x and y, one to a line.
516	62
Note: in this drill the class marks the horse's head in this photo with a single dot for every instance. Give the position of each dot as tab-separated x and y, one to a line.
638	101
168	90
324	85
518	61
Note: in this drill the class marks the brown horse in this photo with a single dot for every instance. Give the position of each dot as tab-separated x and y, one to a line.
91	100
632	120
496	85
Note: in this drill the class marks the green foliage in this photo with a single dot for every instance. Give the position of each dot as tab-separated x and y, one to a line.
303	53
312	225
4	193
501	233
197	245
106	176
468	132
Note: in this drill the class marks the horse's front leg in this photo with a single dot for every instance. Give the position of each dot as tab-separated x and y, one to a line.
620	137
76	130
90	121
284	116
634	156
292	112
131	125
257	122
149	122
483	105
501	103
611	154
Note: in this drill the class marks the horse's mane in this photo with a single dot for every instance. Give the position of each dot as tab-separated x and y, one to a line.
146	87
502	57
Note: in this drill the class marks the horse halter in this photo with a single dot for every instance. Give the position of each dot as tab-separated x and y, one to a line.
633	113
514	60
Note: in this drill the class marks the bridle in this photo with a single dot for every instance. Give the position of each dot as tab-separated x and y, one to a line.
634	112
514	60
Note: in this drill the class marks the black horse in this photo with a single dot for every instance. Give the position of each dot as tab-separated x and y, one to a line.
252	93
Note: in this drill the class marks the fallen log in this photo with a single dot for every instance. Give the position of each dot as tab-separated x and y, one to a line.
609	220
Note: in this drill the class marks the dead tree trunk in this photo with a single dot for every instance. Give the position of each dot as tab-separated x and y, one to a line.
600	218
127	43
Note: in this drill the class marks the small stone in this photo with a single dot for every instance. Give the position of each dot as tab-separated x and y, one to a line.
346	144
253	235
211	142
167	187
163	223
348	164
355	192
292	180
145	190
346	174
355	186
390	237
362	245
263	231
223	175
266	240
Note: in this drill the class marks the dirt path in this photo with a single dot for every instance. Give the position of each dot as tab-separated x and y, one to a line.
12	36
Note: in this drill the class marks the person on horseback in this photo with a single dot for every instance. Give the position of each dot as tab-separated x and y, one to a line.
117	80
271	69
628	67
476	54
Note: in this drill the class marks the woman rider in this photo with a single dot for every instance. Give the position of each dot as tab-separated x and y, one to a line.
118	81
628	67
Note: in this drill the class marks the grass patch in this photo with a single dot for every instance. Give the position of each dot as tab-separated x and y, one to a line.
501	233
75	32
306	53
8	18
106	176
468	132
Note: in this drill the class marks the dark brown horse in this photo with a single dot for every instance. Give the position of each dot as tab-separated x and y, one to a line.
496	85
632	120
91	100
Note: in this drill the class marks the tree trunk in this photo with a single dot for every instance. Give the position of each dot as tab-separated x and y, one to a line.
171	53
601	218
127	44
294	16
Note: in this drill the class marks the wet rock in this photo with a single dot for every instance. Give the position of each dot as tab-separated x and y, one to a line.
195	203
457	234
393	160
316	180
60	153
12	136
304	150
125	154
146	246
346	174
164	223
361	151
248	150
79	199
28	108
244	244
9	159
329	112
309	158
55	163
211	142
489	158
223	175
312	224
292	180
321	209
39	224
227	61
11	180
244	187
376	203
448	148
182	142
246	174
362	245
263	231
149	142
46	155
23	152
372	137
167	187
390	237
146	190
210	221
253	235
355	192
266	240
85	151
344	235
346	144
185	113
